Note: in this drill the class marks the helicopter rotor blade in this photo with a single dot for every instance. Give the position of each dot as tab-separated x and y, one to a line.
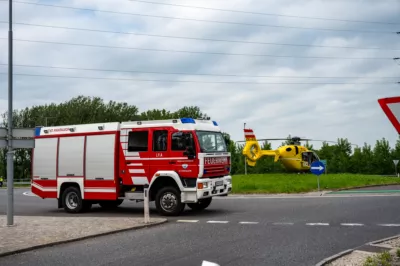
331	141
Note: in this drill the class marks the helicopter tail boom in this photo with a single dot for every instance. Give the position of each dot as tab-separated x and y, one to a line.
253	151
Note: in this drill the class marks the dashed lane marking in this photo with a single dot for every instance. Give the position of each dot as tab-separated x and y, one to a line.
248	222
388	224
288	223
323	224
351	224
283	223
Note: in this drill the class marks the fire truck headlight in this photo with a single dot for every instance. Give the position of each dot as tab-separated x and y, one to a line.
202	185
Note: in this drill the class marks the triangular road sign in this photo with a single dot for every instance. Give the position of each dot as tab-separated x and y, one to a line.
391	107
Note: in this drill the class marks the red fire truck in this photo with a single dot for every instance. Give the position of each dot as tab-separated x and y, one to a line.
180	161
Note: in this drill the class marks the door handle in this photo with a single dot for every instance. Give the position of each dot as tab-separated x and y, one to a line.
172	162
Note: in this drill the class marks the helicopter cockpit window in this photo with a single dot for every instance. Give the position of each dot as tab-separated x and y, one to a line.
305	156
315	157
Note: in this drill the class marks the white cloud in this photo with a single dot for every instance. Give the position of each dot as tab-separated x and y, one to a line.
272	110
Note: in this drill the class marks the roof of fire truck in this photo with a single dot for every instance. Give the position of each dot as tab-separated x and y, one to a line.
180	124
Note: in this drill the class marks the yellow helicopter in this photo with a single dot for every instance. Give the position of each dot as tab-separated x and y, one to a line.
294	157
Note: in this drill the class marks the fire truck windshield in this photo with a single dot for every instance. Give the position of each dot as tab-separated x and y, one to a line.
211	141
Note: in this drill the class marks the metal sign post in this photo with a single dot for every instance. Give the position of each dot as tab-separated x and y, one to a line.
17	138
245	159
395	166
146	205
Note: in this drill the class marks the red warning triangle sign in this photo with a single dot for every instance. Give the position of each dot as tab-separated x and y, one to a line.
391	107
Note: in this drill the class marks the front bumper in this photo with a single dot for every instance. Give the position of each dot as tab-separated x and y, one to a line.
206	188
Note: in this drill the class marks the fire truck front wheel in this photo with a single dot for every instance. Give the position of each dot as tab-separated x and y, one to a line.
168	201
72	200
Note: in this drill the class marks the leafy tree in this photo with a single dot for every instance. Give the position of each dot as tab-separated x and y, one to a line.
83	109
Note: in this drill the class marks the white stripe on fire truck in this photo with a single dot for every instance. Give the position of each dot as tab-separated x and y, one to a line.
47	189
155	158
139	180
136	171
100	190
130	153
135	164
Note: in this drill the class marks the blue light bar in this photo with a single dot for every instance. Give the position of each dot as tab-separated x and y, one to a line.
37	131
187	120
215	123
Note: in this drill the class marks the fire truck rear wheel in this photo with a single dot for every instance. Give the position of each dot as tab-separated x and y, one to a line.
168	201
72	200
201	204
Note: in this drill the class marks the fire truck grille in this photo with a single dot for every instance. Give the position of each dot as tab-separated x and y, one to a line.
214	169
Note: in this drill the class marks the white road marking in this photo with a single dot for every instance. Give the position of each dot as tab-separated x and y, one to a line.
208	263
388	224
324	224
29	193
351	224
283	223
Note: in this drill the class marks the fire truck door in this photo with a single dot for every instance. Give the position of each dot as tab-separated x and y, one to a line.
159	155
181	164
137	155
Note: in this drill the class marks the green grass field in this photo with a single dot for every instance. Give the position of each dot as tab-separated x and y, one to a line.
298	183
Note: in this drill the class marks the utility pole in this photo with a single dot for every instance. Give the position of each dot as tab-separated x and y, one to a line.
46	119
10	152
245	159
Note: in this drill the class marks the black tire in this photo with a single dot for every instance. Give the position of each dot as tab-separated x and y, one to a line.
72	200
110	204
169	196
201	204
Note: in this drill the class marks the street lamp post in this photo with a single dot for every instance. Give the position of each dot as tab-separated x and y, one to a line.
10	152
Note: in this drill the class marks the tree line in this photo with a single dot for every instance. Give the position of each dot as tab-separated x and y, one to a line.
341	157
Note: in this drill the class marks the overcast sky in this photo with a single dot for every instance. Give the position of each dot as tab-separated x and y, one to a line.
319	111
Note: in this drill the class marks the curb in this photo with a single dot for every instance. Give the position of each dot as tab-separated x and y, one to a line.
350	188
334	257
382	240
8	253
348	251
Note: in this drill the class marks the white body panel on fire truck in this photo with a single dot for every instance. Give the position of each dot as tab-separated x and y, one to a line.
106	162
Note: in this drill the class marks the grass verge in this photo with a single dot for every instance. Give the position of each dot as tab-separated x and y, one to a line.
383	259
300	183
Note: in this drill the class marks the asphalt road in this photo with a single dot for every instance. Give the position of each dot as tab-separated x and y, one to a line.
233	231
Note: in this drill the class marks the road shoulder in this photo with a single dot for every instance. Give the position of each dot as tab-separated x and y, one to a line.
31	232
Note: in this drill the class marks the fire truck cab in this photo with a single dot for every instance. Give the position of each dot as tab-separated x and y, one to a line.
181	162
